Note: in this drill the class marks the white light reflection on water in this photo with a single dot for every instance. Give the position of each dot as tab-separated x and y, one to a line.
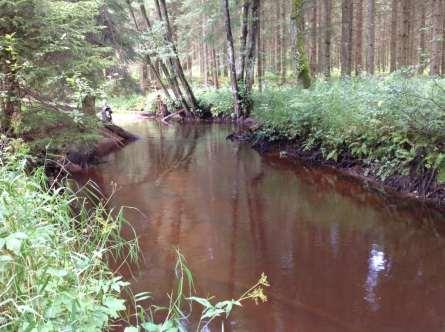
376	265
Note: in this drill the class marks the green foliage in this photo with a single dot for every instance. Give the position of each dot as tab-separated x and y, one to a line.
53	270
50	131
394	124
219	101
128	103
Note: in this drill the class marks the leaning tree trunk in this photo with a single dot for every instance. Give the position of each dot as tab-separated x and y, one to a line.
147	58
170	78
300	58
231	59
177	63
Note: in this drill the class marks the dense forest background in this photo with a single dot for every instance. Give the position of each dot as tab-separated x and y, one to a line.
75	51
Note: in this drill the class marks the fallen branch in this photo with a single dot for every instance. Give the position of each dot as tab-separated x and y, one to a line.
164	120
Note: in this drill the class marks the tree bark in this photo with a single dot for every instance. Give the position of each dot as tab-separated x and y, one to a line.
215	69
370	58
243	39
327	38
394	34
422	39
405	33
314	39
89	105
359	39
436	43
231	58
346	38
176	61
283	43
252	44
10	102
300	59
147	58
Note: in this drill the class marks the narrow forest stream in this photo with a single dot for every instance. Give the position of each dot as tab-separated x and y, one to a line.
339	256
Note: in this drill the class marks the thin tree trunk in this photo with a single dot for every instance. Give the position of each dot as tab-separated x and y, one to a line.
143	79
243	39
149	61
300	59
254	26
359	39
283	52
394	34
231	58
147	58
422	39
10	101
405	32
215	69
277	57
370	58
327	38
170	75
314	36
436	43
346	38
260	50
443	39
176	61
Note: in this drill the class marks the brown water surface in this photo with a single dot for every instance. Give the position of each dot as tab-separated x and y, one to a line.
339	257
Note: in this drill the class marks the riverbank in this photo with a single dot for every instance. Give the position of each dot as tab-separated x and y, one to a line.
387	130
71	141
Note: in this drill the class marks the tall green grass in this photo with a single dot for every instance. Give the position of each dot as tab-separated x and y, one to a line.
53	251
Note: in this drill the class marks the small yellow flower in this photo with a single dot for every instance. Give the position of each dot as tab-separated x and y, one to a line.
263	280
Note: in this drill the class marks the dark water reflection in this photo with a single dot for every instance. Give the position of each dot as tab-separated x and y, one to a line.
339	257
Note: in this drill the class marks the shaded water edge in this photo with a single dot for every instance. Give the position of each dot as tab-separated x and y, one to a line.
422	188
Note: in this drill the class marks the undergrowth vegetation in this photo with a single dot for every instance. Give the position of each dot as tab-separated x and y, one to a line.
53	273
394	125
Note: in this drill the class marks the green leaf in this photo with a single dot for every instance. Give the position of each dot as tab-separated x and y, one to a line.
113	305
204	302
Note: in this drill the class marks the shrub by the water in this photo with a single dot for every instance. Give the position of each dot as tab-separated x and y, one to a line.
394	124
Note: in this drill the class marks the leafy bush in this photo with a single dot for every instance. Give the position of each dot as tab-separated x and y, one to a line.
394	124
219	101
